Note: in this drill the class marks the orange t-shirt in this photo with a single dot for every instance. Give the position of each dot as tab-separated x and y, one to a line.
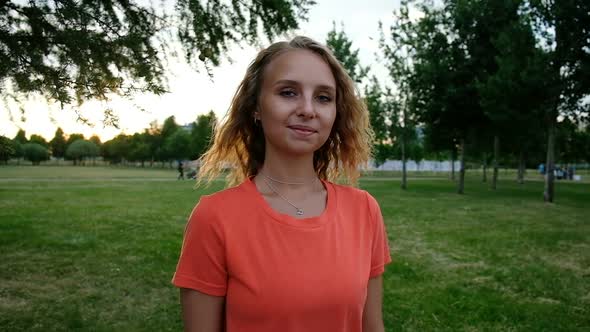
279	273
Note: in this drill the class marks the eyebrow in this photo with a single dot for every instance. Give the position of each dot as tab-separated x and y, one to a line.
321	86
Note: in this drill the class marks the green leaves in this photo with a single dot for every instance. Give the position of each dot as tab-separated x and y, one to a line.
7	149
201	134
58	144
341	46
35	153
73	51
207	28
82	149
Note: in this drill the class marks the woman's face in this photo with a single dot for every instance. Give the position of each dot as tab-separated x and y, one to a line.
297	103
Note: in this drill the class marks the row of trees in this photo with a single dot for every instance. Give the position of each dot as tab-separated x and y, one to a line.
36	149
164	143
471	74
479	78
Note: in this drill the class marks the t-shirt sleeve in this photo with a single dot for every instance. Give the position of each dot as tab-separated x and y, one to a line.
202	264
380	247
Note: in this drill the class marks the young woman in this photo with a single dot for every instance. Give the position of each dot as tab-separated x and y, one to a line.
286	249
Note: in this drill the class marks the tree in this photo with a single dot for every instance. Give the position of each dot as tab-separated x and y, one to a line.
485	26
18	151
58	144
501	48
35	153
96	140
201	133
39	140
140	148
6	149
447	69
20	137
168	129
153	137
74	137
399	57
177	145
73	51
117	149
379	107
562	31
19	140
81	149
341	46
570	142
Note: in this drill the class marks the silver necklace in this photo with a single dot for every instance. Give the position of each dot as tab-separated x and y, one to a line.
298	210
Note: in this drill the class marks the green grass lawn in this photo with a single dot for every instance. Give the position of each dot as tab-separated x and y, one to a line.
94	249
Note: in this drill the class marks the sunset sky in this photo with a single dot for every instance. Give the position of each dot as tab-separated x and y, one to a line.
193	93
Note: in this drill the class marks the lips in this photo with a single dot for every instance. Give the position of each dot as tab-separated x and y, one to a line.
302	129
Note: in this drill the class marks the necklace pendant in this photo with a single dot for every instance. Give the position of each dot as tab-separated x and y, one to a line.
299	212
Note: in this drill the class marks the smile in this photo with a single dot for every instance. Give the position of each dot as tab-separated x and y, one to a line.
302	130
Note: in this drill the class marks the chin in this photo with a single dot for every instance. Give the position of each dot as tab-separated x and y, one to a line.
301	150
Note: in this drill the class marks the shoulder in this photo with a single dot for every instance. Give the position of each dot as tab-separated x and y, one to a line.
352	193
226	196
211	207
355	196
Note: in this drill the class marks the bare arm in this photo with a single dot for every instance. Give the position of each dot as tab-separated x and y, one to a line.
372	314
202	312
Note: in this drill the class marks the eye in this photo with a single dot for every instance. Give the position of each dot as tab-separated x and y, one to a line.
287	93
325	98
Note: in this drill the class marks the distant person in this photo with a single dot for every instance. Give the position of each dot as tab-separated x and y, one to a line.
542	169
287	249
192	174
180	171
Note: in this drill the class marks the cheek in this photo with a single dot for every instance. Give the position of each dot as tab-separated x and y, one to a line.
330	119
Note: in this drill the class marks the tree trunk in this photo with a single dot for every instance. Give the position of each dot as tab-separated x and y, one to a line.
521	167
485	168
550	165
142	163
404	180
453	154
496	155
461	168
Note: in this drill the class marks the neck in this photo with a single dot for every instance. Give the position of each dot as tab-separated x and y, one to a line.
291	168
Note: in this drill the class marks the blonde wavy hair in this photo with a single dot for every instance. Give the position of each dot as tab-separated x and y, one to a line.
239	142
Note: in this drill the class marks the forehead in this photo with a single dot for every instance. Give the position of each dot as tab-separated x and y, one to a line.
302	66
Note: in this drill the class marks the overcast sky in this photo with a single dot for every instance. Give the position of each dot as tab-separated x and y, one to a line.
193	93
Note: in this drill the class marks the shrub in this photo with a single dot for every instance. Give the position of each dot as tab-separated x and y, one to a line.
35	153
81	149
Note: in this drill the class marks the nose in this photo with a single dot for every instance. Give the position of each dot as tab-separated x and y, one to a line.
306	108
